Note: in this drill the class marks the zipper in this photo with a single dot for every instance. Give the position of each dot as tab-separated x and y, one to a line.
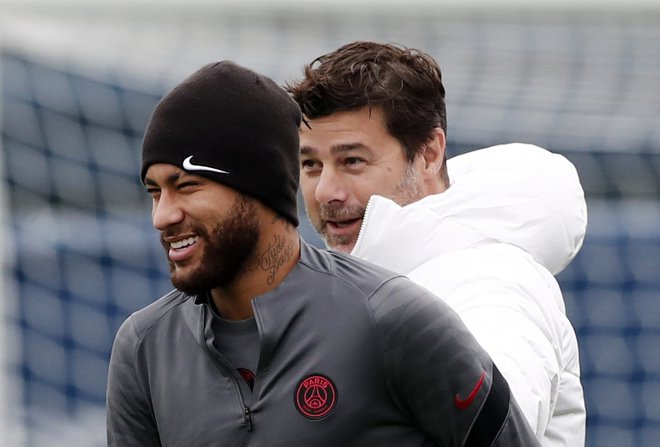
247	416
227	367
358	241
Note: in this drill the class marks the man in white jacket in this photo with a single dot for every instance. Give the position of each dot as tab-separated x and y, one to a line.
485	231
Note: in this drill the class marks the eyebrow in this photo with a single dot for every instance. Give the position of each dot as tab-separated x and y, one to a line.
170	179
336	149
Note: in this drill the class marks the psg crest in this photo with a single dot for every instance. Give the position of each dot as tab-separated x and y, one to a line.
315	397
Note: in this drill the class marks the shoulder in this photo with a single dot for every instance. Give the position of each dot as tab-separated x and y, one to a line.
142	321
383	287
497	260
348	270
487	271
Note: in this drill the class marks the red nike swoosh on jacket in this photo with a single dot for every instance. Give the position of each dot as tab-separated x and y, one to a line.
464	403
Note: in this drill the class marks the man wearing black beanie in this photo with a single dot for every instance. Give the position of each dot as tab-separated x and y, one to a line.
266	340
233	126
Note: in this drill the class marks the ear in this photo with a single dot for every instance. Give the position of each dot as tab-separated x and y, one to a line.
434	152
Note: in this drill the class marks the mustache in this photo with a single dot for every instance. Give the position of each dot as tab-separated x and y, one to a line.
335	211
179	229
170	232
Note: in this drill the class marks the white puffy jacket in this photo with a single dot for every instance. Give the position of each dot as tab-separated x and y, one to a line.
513	216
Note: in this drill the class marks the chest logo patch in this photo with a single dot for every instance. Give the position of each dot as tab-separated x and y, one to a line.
315	396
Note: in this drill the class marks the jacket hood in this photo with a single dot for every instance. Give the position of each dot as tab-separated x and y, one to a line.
517	194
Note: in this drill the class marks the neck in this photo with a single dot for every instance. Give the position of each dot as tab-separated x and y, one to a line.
277	253
433	186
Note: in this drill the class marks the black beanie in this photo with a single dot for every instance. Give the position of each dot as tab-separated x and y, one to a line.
234	126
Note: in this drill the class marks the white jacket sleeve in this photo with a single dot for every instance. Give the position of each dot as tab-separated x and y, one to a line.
519	348
512	320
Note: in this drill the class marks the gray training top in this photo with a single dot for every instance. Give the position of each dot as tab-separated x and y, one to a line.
350	355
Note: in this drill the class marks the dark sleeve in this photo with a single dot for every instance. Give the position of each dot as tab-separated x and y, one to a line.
129	419
440	376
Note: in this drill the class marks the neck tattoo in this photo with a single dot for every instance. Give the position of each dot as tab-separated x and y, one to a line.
275	256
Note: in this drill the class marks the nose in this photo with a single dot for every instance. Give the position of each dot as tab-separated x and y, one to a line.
165	212
330	187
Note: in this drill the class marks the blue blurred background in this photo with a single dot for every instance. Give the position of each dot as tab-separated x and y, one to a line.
79	80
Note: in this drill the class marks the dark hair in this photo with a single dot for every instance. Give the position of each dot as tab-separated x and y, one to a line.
405	82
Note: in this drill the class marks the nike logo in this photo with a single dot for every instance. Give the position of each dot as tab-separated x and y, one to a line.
462	404
188	166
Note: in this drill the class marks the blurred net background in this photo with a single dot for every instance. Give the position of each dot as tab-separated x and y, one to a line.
79	80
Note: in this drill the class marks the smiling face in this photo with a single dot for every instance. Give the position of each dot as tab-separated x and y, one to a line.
209	231
347	157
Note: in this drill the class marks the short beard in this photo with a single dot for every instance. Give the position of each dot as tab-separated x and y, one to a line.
334	211
228	250
406	192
